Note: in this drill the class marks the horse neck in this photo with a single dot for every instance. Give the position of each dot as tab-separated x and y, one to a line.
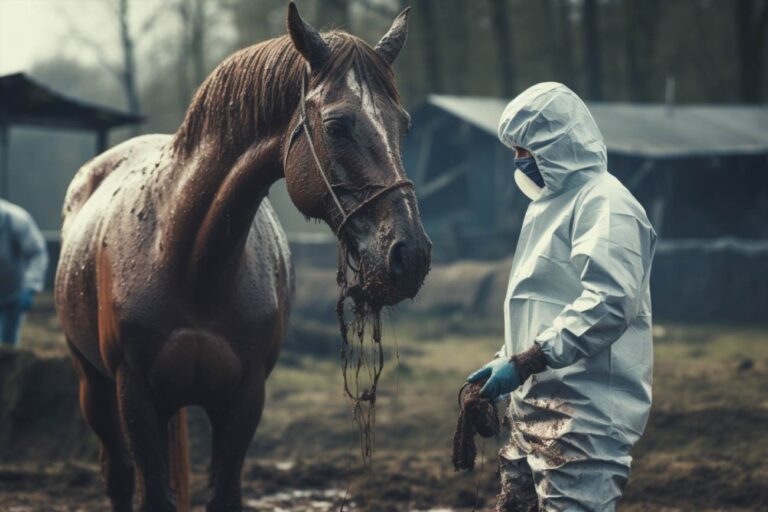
212	209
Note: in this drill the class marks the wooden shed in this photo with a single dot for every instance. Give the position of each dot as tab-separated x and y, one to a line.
26	102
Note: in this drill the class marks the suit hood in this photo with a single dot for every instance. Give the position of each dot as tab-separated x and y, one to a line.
554	124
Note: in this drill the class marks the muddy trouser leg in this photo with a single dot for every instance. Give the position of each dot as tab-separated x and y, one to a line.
518	493
584	485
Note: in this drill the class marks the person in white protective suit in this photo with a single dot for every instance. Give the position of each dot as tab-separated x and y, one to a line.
23	262
578	354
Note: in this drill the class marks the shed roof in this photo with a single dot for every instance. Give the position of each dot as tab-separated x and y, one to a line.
651	130
28	102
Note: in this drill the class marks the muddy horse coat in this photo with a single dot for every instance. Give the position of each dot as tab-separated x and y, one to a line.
175	283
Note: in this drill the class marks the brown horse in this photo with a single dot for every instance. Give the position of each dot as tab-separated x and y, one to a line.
175	281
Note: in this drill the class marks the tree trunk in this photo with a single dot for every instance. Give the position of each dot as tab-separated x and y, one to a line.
630	49
191	70
454	21
430	45
129	61
502	33
641	27
592	50
184	90
751	19
559	21
197	42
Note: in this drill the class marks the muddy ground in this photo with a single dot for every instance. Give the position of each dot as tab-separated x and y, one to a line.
705	449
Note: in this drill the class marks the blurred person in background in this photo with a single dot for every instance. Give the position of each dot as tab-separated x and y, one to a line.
578	354
23	262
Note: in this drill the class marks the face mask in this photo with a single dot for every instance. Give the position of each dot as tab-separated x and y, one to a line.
528	167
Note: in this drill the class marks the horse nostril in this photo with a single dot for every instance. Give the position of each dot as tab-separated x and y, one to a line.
396	259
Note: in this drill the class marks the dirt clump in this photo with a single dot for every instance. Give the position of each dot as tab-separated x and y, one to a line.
515	497
476	416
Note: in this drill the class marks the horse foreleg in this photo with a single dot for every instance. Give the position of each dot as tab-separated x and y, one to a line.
147	432
233	424
98	401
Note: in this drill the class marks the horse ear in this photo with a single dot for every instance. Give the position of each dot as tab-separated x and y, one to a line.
306	39
390	45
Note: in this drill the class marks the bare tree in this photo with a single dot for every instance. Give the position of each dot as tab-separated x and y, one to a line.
197	41
502	33
428	35
751	17
128	58
123	68
191	61
592	49
641	21
560	20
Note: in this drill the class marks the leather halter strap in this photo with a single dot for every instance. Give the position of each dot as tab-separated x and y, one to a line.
302	126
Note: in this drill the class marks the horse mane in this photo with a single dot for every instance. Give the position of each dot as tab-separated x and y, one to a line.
254	92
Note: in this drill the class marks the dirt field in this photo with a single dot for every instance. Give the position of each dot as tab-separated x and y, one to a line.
705	449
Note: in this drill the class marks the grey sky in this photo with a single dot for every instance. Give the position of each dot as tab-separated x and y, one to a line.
32	30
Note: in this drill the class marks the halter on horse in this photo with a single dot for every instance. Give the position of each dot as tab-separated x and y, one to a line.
302	126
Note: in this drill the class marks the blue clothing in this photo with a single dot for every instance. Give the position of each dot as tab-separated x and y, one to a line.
528	167
501	375
23	262
23	256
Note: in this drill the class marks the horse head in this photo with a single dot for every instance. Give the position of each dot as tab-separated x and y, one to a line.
342	158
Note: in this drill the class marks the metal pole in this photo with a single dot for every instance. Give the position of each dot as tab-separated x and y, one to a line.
4	177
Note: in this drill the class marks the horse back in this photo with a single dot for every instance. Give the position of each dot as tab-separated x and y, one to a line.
94	172
94	213
112	279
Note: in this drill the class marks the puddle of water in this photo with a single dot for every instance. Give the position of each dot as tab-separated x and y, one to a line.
300	499
285	465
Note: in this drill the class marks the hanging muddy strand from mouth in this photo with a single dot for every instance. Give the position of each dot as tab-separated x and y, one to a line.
359	359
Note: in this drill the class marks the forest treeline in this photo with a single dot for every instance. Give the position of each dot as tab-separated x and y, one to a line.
687	51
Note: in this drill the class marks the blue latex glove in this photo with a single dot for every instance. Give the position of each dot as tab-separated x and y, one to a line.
26	298
503	377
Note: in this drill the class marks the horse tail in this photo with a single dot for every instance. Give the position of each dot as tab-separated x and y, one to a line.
179	459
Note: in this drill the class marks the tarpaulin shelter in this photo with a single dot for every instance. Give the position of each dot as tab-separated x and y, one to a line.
26	102
700	171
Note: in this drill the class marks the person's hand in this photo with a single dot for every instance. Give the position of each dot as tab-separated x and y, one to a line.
503	377
26	298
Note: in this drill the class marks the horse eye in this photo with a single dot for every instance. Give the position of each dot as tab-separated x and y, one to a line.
338	128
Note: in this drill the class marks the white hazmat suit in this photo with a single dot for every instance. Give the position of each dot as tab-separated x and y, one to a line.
23	262
579	289
23	256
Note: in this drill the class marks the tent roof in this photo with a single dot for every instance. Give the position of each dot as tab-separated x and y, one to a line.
650	130
28	102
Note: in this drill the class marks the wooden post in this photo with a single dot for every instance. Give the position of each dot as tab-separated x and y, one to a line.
4	171
101	140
